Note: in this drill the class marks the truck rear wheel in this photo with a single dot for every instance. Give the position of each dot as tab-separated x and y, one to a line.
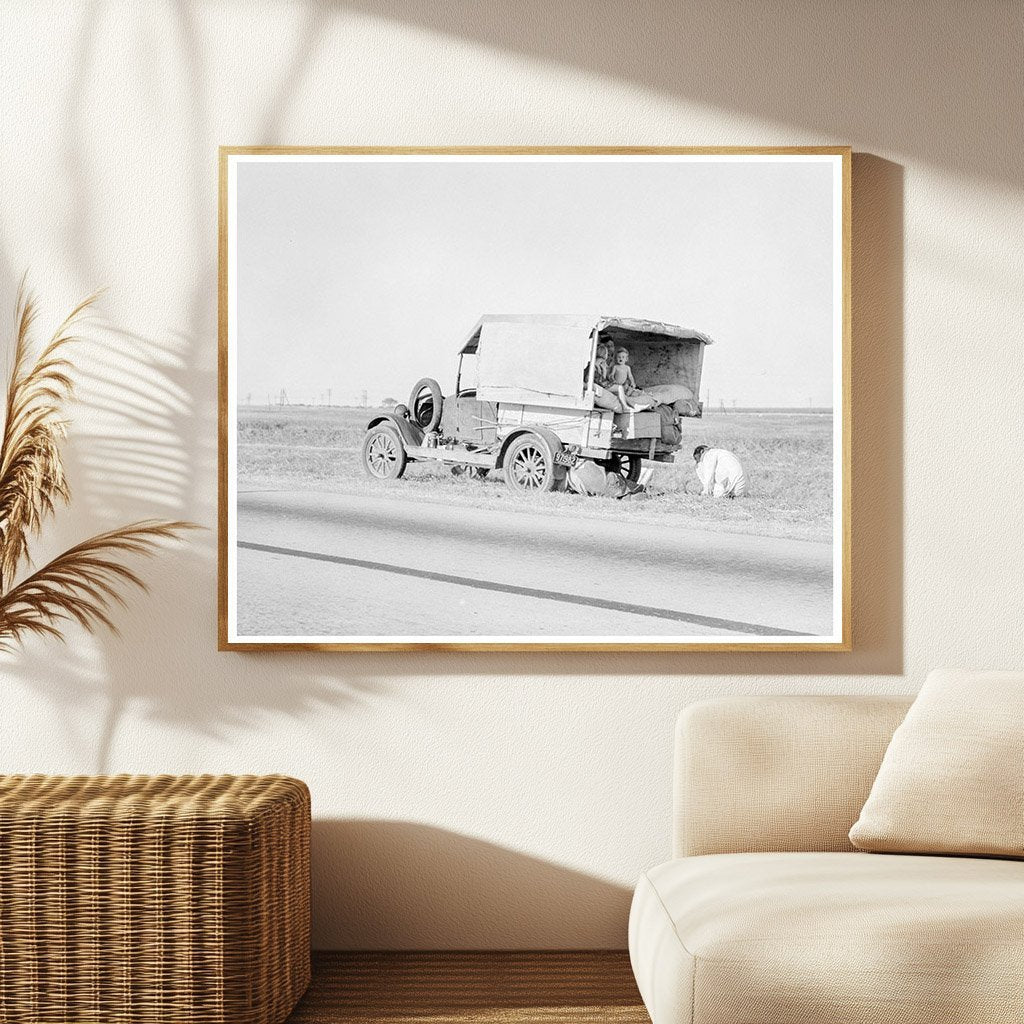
529	465
626	465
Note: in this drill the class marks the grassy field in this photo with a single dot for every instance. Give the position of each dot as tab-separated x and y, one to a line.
787	457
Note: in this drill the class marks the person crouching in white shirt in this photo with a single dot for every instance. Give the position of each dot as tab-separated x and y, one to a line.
720	472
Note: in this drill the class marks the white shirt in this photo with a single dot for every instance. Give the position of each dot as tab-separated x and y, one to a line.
721	474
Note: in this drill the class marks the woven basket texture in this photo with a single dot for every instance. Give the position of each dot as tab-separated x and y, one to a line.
142	899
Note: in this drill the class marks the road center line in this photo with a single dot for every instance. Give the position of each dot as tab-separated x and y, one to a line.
691	618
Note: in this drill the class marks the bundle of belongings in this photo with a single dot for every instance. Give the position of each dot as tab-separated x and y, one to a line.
670	401
588	477
678	397
671	432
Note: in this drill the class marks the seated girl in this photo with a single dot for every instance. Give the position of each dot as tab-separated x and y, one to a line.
604	396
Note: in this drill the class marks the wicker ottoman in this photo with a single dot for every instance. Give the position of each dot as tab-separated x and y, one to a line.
132	899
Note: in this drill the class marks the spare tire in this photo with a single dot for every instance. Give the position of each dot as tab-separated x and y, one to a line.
425	409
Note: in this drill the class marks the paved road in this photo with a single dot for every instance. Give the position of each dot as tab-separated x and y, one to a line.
339	565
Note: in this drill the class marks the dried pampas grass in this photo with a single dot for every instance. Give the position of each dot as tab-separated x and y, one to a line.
83	583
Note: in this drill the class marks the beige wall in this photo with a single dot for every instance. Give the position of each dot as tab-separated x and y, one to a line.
483	800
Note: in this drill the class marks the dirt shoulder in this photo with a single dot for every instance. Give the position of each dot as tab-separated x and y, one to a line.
787	459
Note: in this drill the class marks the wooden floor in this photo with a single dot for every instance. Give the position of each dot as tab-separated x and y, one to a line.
465	988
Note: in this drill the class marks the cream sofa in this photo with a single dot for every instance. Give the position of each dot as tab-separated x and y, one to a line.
769	916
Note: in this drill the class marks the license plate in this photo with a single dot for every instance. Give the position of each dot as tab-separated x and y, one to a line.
565	459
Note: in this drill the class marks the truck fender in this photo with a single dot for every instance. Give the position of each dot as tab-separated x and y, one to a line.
549	436
410	432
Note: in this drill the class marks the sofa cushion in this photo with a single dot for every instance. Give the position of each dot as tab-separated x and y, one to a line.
787	938
950	781
783	773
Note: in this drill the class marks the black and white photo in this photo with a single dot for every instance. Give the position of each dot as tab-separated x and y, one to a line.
551	399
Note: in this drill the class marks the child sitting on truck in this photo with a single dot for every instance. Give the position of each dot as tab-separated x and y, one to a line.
622	383
604	396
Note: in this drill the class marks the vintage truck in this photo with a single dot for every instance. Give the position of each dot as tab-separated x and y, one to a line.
525	402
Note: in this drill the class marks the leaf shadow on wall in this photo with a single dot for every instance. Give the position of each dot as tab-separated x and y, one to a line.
146	444
137	454
406	885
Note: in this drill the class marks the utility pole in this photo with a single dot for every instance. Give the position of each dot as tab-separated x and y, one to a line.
328	396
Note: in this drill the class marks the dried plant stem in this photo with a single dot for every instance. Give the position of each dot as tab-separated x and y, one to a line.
81	584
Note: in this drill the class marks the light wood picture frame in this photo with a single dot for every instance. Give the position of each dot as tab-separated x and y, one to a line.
425	444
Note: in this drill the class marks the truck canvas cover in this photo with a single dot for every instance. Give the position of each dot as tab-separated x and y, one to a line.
542	359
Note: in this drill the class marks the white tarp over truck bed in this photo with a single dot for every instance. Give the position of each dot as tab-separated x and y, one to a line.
534	361
541	359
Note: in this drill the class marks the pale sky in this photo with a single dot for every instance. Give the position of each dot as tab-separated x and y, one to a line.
368	276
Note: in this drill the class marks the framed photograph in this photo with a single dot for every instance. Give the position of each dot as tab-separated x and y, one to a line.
513	399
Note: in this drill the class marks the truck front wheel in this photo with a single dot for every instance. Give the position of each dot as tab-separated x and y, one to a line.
384	455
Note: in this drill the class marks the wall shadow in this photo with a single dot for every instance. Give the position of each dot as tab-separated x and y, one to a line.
143	441
905	78
404	885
